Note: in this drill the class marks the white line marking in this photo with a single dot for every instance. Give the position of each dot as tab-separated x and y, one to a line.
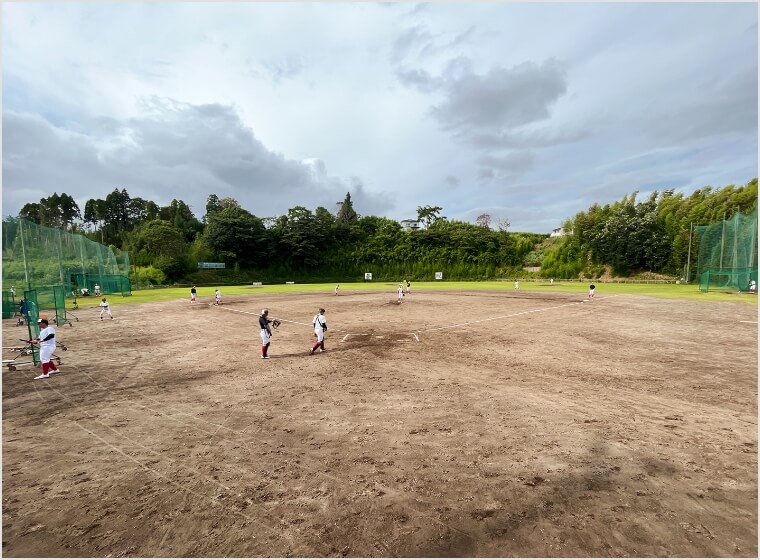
753	322
249	444
508	316
225	308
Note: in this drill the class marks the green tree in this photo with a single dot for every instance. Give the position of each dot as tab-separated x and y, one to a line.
346	213
158	238
234	234
31	211
69	210
212	205
302	238
179	214
95	214
428	214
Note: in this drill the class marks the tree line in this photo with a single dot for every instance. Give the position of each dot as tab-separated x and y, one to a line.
167	242
652	235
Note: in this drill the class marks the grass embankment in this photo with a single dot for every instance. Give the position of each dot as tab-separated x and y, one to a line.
670	291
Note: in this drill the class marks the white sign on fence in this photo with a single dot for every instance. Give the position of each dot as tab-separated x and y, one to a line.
210	265
439	275
368	276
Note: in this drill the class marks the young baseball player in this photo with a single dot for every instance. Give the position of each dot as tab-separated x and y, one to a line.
336	289
97	289
217	298
591	291
408	287
752	286
517	284
266	333
46	340
320	326
193	293
23	308
400	294
104	308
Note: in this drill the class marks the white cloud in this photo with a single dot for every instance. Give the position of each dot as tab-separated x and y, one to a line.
531	107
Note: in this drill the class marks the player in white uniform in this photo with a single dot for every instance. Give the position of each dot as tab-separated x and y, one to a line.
46	340
591	291
752	286
193	293
517	284
320	326
336	289
104	308
266	333
400	294
97	289
217	298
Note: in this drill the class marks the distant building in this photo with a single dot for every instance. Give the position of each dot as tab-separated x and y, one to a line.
559	232
410	225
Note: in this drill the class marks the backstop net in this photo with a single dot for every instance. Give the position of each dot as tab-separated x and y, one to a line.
36	256
727	257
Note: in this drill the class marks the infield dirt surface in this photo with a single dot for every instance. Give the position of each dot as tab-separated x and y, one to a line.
456	424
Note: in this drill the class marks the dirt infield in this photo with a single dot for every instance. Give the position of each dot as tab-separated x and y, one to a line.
455	424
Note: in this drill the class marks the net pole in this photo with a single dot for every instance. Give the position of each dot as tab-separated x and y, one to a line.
23	252
722	238
60	255
81	256
735	275
688	258
699	270
753	255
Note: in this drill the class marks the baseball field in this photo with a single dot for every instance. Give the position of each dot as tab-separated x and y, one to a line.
464	422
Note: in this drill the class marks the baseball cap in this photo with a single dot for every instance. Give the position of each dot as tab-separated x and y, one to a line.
43	320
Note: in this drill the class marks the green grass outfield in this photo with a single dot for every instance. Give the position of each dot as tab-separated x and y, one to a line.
670	291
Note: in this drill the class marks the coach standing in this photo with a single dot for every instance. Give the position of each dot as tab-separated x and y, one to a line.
266	333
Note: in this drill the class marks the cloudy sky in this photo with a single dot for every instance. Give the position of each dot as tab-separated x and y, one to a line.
530	112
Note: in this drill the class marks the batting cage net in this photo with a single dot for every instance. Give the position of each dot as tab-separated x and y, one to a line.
36	256
727	257
10	307
30	318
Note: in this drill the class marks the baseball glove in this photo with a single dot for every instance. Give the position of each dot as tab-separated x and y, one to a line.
275	323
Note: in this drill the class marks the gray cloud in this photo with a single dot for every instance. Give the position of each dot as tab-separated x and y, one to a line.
409	41
536	138
288	67
492	110
174	150
502	99
452	180
511	164
486	173
729	106
418	79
